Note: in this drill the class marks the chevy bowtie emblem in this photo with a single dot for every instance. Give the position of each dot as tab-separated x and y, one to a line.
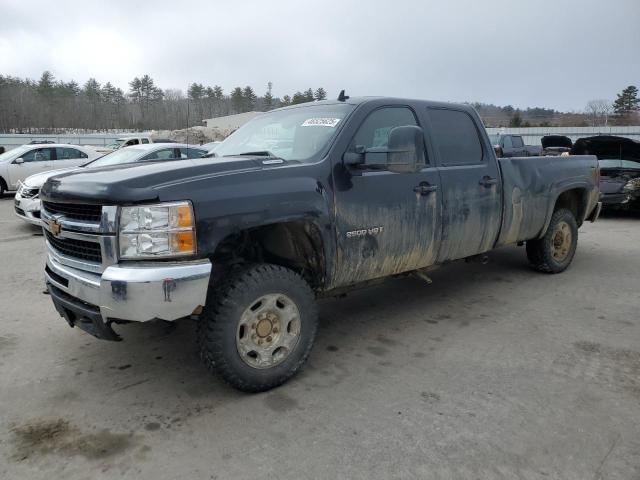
54	227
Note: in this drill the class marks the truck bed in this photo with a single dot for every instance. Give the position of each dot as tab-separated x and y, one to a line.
531	186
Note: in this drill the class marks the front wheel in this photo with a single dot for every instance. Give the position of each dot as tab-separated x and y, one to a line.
554	252
258	327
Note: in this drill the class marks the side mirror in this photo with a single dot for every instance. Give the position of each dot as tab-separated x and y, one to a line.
405	150
498	150
18	161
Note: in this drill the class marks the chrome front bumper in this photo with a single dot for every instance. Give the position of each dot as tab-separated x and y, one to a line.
136	292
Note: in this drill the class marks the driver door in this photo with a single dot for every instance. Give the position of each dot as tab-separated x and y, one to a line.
386	222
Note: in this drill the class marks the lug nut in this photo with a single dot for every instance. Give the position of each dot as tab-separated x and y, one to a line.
260	342
269	339
275	329
253	327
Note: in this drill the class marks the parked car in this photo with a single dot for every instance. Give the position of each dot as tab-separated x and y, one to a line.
506	145
24	161
301	202
27	199
41	142
129	141
619	160
555	144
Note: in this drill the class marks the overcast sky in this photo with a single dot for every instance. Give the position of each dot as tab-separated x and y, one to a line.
551	53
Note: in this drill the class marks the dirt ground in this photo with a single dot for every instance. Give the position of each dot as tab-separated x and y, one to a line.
492	372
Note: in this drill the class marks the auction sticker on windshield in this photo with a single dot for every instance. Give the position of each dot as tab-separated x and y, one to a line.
321	122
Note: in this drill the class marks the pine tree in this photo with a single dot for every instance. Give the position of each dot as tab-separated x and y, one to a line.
249	98
320	94
308	95
286	100
298	97
627	101
237	99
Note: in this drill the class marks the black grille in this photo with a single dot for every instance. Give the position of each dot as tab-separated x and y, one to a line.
71	247
54	276
90	213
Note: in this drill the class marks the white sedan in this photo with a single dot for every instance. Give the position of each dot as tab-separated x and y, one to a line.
18	164
27	200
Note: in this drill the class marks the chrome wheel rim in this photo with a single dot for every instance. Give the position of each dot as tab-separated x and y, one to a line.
268	331
561	241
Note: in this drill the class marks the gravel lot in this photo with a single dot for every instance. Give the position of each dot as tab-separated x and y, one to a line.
492	372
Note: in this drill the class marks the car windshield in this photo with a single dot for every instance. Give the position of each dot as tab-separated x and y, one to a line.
125	155
14	152
300	133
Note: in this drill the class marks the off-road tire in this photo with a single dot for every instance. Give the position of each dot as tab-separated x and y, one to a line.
218	325
540	251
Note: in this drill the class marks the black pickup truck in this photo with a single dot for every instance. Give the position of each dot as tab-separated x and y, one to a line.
304	201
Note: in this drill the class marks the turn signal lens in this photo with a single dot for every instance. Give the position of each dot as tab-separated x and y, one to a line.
182	242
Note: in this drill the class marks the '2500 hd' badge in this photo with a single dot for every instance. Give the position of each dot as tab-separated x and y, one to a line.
364	232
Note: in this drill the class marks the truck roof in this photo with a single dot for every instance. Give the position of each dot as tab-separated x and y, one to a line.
385	101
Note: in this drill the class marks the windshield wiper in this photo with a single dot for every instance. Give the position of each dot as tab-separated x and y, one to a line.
258	153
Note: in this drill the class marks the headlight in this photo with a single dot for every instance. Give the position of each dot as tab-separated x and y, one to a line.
632	185
28	192
157	231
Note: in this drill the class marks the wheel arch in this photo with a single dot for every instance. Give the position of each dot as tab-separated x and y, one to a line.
295	244
574	198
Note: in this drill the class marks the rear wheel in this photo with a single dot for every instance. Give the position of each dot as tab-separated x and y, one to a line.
554	252
3	187
258	327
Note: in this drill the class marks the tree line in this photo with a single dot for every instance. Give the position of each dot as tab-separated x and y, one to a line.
625	110
54	105
50	105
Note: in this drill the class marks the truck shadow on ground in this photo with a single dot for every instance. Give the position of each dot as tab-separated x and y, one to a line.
369	323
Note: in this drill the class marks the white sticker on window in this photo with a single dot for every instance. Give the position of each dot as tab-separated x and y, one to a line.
321	122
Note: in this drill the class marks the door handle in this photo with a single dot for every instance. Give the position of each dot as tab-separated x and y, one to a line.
425	189
487	181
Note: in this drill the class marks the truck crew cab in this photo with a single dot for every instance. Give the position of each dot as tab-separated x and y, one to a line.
300	202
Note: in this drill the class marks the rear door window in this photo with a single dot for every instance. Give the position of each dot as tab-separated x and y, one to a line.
191	152
456	137
517	142
164	154
69	154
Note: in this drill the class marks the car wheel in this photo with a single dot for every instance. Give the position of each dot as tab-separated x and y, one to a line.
258	327
554	252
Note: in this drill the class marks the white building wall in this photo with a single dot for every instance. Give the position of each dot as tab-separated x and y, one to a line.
532	135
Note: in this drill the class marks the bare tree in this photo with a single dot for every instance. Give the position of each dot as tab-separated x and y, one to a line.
599	111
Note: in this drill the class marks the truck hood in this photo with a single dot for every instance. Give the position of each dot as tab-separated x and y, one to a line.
136	183
558	141
607	147
38	179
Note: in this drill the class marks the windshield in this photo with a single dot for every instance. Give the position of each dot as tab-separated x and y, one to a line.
126	155
14	153
292	134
